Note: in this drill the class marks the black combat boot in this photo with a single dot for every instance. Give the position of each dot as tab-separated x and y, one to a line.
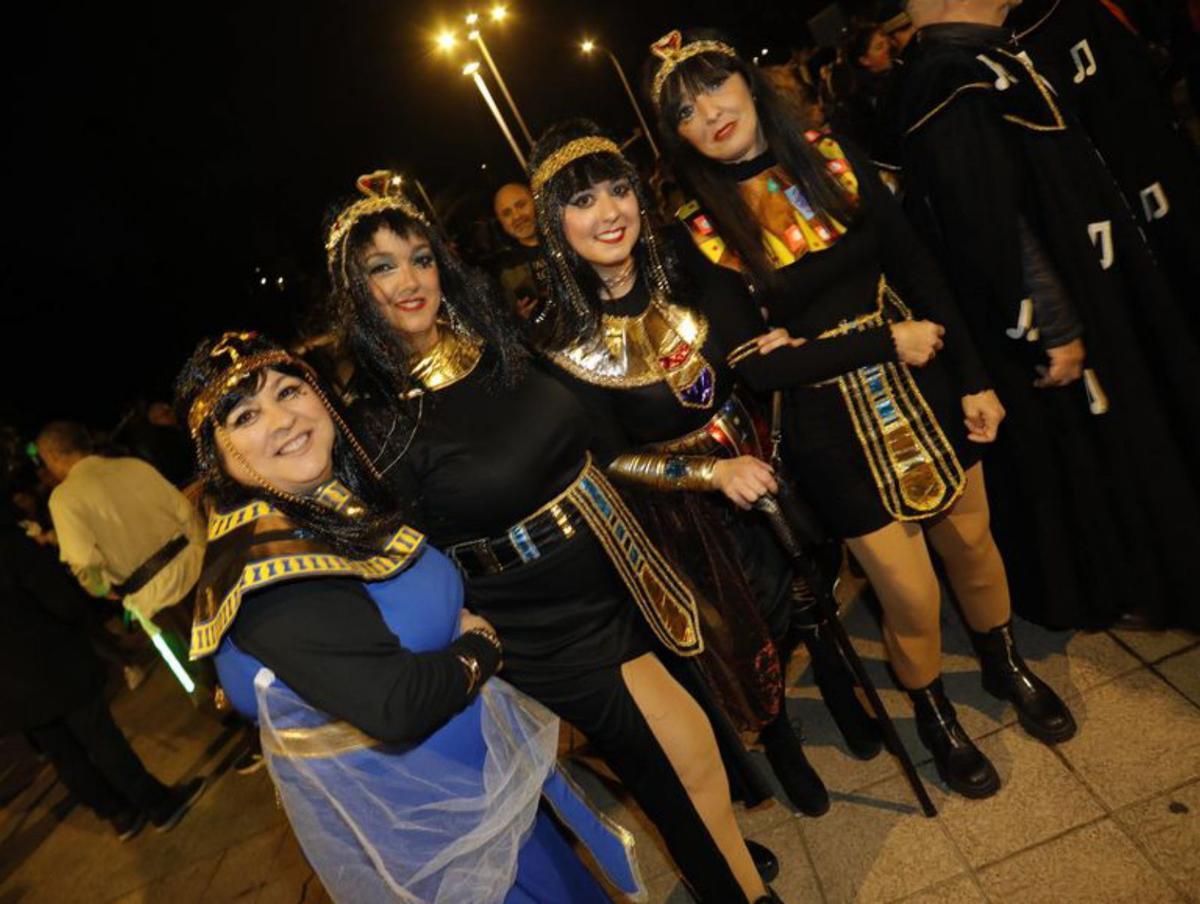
1040	711
800	781
835	681
769	898
959	762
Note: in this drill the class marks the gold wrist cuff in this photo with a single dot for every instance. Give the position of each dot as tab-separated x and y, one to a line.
474	672
665	472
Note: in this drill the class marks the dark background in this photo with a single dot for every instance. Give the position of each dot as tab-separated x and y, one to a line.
168	158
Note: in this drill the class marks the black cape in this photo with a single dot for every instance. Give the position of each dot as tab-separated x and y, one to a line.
1096	513
1103	71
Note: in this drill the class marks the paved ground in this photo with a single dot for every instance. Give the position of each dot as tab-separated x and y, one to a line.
1111	816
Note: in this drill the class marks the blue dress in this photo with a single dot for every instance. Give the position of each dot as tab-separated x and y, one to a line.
371	817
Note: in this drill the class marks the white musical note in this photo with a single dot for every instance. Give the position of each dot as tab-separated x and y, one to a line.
1024	325
1154	202
1101	236
1083	69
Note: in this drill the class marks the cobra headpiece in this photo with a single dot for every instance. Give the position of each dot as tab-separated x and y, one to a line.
672	51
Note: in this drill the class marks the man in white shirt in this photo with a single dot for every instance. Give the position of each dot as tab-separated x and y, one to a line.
122	528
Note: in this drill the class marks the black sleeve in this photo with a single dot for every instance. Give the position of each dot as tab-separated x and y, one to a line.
969	199
911	270
48	581
734	317
326	640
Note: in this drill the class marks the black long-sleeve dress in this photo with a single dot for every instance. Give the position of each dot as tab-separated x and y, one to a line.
486	459
869	440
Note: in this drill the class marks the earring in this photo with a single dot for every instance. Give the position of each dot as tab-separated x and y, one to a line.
452	319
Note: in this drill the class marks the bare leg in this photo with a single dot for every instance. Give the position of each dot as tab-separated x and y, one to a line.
686	737
963	541
897	563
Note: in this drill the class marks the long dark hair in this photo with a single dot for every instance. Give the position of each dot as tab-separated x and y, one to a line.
565	323
380	361
783	124
360	537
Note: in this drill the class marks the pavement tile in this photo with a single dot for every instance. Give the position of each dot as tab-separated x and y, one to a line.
877	846
1039	798
184	886
245	868
1096	864
1152	646
1183	671
1168	827
1137	737
962	890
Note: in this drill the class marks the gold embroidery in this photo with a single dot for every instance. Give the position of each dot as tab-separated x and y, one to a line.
207	633
330	739
662	344
986	86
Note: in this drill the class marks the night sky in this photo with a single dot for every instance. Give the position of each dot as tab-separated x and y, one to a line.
164	152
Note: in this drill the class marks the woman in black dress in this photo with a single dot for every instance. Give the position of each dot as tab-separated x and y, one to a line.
873	424
494	453
648	362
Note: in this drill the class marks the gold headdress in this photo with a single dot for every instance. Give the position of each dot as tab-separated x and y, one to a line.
568	154
672	51
382	191
240	367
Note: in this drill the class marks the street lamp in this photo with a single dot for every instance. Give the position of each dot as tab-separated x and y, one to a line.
471	70
498	14
587	46
446	40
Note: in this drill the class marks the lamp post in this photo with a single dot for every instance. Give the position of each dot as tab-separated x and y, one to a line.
472	70
587	46
498	14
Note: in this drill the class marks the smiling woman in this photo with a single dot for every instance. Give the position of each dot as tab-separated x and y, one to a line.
336	628
282	432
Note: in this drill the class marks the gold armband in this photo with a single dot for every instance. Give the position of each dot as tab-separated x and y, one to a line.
474	672
665	472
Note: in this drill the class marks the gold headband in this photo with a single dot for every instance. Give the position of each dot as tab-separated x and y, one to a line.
242	366
382	190
569	153
672	51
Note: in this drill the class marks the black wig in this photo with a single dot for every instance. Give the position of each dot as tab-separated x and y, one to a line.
565	323
783	123
470	299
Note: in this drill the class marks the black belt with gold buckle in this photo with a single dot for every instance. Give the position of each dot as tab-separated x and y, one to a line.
524	542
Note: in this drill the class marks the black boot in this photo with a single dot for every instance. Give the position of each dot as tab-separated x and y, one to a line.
764	859
959	762
800	781
835	681
1040	711
769	898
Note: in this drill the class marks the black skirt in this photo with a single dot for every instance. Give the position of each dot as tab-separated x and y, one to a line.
829	464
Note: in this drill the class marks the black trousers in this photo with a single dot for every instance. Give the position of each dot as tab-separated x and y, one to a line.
96	763
599	704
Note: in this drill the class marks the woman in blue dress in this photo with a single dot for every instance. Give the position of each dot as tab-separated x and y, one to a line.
407	772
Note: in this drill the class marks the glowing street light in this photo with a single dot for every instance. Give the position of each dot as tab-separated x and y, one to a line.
588	46
498	14
446	40
471	70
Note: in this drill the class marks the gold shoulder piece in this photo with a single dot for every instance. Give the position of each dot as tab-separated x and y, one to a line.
453	359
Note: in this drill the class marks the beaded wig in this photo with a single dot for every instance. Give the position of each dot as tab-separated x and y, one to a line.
222	372
569	158
470	302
